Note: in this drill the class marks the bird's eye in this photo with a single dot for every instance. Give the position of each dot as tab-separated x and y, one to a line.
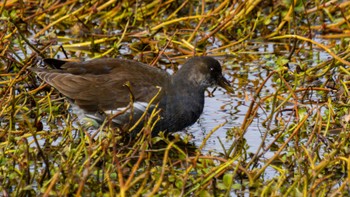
211	69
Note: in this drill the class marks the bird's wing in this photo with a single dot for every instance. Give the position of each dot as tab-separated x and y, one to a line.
105	85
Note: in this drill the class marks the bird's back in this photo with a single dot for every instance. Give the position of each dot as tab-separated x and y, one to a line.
105	84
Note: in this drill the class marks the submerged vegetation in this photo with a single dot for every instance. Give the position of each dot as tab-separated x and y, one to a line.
288	62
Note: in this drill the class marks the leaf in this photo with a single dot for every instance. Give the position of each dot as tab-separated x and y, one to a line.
13	14
237	186
204	193
179	183
221	186
228	178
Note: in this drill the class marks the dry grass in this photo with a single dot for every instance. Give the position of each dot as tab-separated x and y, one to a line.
299	99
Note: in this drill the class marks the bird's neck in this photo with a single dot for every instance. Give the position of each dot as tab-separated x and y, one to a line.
185	86
183	104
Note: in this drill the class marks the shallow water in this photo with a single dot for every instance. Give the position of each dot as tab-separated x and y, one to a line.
232	108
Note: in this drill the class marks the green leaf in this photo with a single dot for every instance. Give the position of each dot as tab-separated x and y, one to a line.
221	186
179	183
237	186
13	14
228	178
204	193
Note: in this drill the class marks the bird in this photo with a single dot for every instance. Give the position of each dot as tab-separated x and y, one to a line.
128	90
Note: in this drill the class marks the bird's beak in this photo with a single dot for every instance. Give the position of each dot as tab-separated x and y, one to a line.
222	82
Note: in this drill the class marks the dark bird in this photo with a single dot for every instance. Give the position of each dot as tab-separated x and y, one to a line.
124	88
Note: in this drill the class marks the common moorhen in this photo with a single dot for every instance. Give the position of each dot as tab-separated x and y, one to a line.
124	88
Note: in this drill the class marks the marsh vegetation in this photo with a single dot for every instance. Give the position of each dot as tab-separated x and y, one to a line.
284	132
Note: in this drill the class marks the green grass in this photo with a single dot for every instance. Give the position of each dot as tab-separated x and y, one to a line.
299	99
